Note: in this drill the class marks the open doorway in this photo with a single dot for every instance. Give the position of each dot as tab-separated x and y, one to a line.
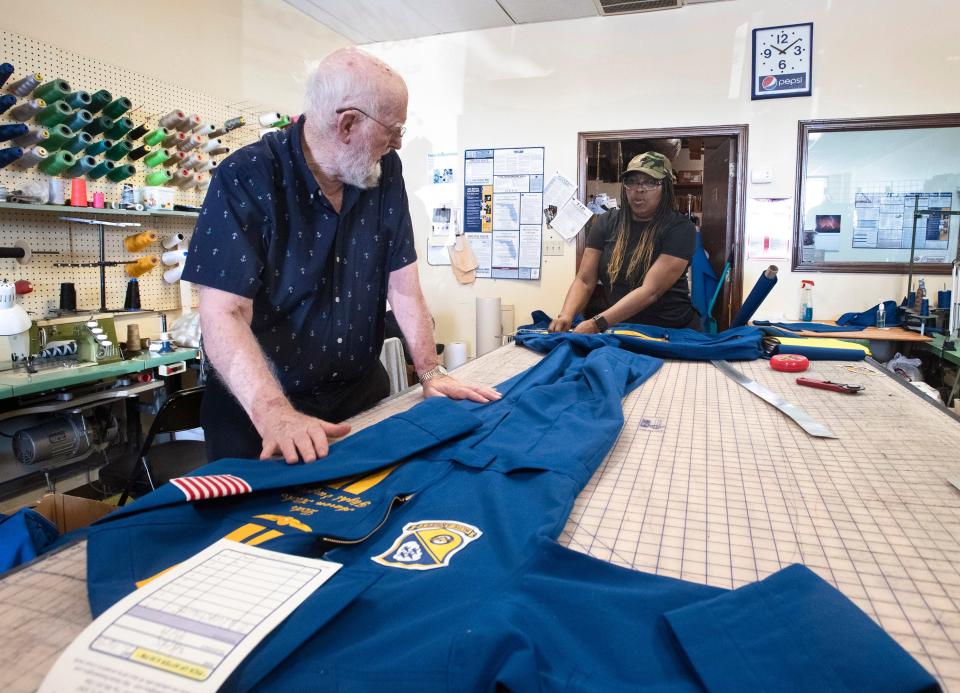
710	165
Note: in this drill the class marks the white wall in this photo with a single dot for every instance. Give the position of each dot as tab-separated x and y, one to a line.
542	84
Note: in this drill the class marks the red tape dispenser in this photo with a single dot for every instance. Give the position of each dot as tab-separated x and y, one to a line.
789	363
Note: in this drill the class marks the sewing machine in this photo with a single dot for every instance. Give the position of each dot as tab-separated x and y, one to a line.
94	339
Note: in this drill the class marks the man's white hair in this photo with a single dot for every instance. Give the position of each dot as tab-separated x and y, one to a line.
346	78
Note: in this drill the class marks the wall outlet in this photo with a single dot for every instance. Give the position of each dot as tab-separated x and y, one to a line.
553	247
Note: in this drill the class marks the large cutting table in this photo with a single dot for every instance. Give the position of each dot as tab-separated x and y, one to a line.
706	483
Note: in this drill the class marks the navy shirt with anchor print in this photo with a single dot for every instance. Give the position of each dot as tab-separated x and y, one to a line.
318	279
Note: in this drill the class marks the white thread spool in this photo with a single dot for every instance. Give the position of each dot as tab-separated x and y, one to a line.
173	274
172	242
268	119
173	257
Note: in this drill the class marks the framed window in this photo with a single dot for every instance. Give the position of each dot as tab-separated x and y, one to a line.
873	191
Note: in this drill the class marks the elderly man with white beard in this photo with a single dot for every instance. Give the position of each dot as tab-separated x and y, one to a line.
302	239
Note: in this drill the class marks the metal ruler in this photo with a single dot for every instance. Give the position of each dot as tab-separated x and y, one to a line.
802	418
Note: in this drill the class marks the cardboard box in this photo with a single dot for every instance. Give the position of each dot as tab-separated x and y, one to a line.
71	512
154	197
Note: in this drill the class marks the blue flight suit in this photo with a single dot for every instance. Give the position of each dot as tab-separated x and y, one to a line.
452	577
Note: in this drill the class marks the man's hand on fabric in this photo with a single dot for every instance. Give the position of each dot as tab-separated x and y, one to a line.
560	324
587	327
297	437
448	386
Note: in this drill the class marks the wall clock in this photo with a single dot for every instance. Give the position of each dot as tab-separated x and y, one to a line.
782	61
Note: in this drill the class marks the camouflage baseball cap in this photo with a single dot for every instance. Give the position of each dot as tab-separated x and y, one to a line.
654	164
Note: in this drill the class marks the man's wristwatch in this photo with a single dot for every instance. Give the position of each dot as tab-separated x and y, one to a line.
601	322
432	373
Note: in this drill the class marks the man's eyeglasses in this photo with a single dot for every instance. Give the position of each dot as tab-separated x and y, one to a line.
397	130
641	185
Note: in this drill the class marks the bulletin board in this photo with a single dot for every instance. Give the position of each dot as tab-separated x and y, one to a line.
503	210
78	243
869	190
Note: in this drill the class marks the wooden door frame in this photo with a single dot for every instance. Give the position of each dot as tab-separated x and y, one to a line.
738	131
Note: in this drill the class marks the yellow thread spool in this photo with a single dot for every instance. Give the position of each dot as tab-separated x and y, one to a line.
143	265
139	241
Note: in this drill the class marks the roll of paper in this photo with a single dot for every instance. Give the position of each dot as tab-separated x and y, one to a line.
172	275
454	355
173	257
171	242
488	324
764	285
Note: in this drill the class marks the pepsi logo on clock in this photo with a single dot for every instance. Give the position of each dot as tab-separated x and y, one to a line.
782	61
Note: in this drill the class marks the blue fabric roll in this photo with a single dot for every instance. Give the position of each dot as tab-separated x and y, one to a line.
703	281
807	326
760	290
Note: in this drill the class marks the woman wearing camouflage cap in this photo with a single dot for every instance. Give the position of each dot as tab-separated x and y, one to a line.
640	253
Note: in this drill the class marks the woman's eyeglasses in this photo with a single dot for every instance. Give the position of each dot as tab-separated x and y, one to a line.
640	185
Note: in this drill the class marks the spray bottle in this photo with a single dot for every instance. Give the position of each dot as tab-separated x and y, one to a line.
806	300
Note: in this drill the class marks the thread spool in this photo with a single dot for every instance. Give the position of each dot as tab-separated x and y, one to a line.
141	266
83	165
140	152
118	107
59	136
943	298
120	128
173	118
78	99
155	137
176	159
132	301
219	132
99	147
171	139
118	150
78	119
173	241
212	144
98	100
53	113
234	123
54	90
25	85
205	129
6	101
101	169
68	296
27	110
31	157
156	158
33	136
199	181
78	187
9	155
139	241
182	175
173	257
77	143
193	159
188	123
172	275
208	165
133	337
268	119
158	178
925	306
57	163
137	132
6	69
219	150
190	142
99	125
15	132
122	172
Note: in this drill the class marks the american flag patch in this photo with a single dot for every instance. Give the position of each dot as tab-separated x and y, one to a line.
215	486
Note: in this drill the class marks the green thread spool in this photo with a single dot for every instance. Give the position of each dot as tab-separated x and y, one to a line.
158	177
53	113
82	166
78	120
156	158
77	143
119	150
99	147
99	100
59	135
120	128
54	90
100	170
118	107
122	173
78	99
57	163
155	137
101	124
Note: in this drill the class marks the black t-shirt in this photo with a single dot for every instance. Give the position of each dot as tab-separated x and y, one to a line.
678	239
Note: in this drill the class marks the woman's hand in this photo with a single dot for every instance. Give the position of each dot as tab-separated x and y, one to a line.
560	324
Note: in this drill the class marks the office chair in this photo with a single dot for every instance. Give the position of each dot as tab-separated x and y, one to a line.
180	412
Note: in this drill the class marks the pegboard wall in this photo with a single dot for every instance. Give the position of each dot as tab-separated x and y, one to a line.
79	243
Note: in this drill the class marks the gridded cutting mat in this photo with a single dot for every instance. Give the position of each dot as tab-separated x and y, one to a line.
706	483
